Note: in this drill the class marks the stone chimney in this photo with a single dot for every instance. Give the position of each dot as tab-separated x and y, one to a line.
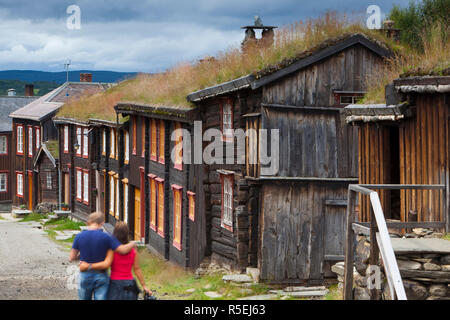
85	77
389	30
11	92
267	35
29	90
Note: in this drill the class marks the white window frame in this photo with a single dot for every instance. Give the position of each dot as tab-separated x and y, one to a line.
227	206
3	145
30	141
125	202
85	143
20	139
79	142
66	138
227	121
127	146
111	195
79	184
113	144
38	138
86	187
117	198
4	179
104	142
49	181
19	186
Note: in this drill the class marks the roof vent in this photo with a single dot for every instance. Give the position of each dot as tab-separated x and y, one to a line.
11	92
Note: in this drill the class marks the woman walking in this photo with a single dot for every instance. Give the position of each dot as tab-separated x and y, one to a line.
122	285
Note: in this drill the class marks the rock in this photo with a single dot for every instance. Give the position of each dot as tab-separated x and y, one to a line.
362	255
438	290
414	290
409	265
254	273
445	267
420	231
422	260
431	266
190	290
445	259
299	289
301	294
361	294
240	278
212	294
260	297
438	298
360	280
338	268
208	286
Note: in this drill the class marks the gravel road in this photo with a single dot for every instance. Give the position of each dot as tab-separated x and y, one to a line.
32	267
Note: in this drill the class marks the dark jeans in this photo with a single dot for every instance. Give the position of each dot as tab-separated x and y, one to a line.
123	290
93	283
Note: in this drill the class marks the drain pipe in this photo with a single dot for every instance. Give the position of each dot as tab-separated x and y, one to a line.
59	170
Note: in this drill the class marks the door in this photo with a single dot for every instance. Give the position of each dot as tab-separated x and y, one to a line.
137	214
30	191
66	188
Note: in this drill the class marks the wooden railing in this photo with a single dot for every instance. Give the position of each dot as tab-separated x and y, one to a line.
378	229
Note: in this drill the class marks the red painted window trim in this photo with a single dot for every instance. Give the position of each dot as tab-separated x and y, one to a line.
152	177
82	186
222	178
143	138
177	188
64	138
153	157
23	187
191	197
37	129
7	147
161	124
78	169
160	181
225	138
82	138
79	152
134	135
7	178
17	140
28	144
179	166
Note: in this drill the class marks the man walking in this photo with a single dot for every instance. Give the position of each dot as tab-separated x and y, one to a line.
92	246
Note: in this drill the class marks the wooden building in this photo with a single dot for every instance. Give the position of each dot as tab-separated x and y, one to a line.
33	125
287	217
46	164
8	104
405	141
164	193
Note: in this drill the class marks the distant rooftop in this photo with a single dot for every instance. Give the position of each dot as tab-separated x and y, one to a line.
10	104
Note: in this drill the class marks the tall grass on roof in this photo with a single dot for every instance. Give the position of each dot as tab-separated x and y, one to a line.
170	88
434	60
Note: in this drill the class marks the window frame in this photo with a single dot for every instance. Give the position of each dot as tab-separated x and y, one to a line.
104	142
86	190
178	164
37	130
66	138
79	141
134	134
6	173
6	145
143	137
19	173
160	219
112	140
85	137
228	225
30	141
127	147
126	191
153	201
191	205
79	184
153	140
177	216
21	152
48	173
161	144
229	136
112	194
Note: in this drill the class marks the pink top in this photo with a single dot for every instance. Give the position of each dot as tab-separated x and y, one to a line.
122	265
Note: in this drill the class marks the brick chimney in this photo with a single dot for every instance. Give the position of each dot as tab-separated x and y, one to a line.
267	35
85	77
29	90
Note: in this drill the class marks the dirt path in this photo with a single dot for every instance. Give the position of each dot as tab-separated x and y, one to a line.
32	267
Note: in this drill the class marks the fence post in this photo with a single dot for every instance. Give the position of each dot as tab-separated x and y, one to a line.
374	250
349	247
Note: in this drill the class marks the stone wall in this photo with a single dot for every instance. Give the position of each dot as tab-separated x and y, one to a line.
426	276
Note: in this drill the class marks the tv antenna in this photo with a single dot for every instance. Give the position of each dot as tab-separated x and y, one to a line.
66	66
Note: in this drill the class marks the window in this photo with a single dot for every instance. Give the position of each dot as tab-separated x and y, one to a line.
349	99
104	142
19	179
79	184
3	145
38	137
134	135
79	142
116	182
161	141
127	146
153	140
227	202
113	144
143	137
177	226
86	186
49	181
111	195
4	182
66	139
19	139
85	143
152	202
178	147
191	198
125	202
227	121
160	206
30	141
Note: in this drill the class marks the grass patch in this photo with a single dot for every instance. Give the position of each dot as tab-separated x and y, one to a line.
446	236
334	293
64	224
33	217
1	218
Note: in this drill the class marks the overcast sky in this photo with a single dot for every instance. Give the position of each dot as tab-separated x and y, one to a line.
142	35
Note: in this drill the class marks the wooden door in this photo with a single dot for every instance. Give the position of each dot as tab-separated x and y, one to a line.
30	191
66	188
137	214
